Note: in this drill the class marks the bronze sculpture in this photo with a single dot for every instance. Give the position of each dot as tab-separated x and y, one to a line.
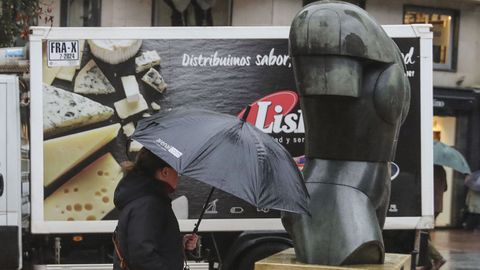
354	95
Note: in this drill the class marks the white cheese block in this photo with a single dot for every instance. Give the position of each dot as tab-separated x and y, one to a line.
63	153
63	110
114	51
147	60
135	146
155	106
130	86
91	80
126	109
128	129
155	80
88	195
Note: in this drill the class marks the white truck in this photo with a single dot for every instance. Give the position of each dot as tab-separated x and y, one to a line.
88	89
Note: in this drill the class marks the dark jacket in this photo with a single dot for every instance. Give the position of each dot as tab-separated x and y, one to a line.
147	229
439	187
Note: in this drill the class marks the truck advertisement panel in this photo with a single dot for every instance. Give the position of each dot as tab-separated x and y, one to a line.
94	90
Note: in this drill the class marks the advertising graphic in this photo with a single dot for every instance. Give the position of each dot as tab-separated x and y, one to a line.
91	109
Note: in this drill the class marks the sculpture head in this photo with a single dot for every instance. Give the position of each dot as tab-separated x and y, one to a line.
345	65
331	42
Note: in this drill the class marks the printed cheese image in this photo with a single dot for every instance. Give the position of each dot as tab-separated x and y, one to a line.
126	109
64	110
114	51
91	80
88	195
48	73
63	153
67	73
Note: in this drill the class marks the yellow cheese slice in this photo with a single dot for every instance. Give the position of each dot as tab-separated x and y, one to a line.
63	153
88	195
48	73
66	73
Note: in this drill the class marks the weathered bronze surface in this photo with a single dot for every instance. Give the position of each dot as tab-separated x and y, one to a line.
354	95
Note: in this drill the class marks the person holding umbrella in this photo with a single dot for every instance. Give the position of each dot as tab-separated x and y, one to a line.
225	152
472	182
147	235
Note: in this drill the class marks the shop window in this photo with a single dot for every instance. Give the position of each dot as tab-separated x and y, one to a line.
191	13
445	33
80	13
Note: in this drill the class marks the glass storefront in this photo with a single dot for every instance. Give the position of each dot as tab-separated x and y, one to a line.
444	36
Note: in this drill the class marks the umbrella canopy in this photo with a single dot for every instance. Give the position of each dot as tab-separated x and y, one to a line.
447	156
226	153
473	181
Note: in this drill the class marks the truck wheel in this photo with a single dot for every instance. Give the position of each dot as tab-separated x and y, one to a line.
246	261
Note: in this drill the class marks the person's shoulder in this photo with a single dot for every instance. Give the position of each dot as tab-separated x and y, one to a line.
149	202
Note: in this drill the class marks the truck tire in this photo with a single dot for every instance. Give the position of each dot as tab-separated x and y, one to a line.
246	261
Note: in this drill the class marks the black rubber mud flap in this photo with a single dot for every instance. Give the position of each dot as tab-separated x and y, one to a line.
9	249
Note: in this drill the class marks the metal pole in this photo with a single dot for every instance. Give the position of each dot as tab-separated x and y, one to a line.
58	248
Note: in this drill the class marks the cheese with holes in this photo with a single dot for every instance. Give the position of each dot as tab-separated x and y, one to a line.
126	109
128	129
130	86
67	73
147	60
155	80
86	196
91	80
64	110
63	153
114	51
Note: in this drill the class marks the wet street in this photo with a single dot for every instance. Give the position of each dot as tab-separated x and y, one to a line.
460	248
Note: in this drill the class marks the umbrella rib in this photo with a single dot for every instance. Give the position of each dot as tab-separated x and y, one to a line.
260	160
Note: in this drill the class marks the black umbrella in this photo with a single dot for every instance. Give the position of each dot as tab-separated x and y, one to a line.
226	153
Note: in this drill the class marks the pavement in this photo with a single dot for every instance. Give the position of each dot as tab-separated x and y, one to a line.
461	248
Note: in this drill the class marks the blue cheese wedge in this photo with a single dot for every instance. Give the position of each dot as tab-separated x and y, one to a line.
130	86
91	80
64	110
147	60
155	80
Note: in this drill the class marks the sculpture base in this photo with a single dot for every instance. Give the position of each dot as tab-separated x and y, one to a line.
286	260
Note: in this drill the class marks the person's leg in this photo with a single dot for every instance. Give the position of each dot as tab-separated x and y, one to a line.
435	256
433	252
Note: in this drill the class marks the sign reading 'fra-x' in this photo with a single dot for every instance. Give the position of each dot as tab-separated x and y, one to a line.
63	53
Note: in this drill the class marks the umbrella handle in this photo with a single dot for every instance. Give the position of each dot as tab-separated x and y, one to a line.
195	230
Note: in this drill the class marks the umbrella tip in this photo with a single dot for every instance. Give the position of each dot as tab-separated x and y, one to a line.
245	114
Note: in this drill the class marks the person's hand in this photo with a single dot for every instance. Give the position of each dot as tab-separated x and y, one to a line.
190	241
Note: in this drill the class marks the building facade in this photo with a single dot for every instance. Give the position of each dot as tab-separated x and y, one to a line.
456	51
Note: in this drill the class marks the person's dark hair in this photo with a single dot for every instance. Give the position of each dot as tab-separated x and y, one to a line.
146	163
